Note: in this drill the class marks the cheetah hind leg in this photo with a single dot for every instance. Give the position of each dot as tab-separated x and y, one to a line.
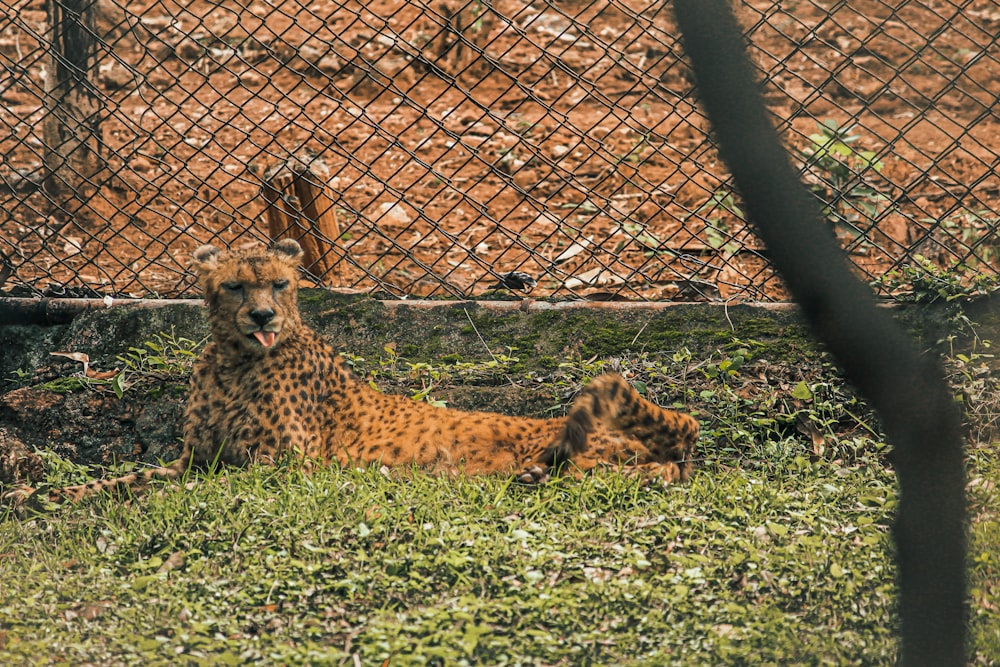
667	436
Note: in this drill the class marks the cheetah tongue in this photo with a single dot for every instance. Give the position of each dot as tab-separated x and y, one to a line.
265	338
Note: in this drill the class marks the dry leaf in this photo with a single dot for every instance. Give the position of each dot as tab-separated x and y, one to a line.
599	277
72	246
805	426
87	611
174	561
75	356
547	219
82	357
575	249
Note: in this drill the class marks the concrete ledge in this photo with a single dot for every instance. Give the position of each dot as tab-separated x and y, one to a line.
49	310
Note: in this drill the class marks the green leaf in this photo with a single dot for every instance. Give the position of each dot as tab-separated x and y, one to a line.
227	658
470	640
139	584
802	392
118	384
776	529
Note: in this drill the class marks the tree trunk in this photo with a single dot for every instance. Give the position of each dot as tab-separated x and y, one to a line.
72	125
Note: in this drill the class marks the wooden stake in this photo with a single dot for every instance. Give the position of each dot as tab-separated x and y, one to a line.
298	208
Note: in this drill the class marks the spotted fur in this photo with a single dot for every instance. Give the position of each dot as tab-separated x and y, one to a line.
267	386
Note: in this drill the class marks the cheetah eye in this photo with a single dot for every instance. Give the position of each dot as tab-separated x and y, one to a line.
232	286
280	284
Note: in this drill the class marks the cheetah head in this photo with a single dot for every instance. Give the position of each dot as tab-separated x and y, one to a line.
251	294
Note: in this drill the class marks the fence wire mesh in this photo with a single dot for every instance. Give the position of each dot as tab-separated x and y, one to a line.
452	147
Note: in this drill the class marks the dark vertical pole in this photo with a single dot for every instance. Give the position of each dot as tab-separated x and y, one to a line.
921	421
72	126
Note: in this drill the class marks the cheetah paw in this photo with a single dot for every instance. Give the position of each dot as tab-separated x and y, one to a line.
534	475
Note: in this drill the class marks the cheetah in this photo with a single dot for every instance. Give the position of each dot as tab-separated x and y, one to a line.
267	386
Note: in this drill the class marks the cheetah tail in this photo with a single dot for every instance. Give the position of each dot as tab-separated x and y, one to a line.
135	481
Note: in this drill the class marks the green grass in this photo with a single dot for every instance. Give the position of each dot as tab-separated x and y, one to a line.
984	554
778	551
789	563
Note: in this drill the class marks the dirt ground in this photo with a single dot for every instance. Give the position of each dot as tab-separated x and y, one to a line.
458	142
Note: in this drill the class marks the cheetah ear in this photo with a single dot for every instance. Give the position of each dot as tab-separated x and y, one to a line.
288	250
206	258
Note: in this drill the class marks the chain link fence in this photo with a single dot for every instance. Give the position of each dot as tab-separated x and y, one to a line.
454	147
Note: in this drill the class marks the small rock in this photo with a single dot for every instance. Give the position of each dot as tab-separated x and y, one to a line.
305	60
394	212
115	76
250	78
140	164
189	49
160	79
329	64
526	178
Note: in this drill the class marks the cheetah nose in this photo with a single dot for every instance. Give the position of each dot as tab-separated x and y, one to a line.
261	316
